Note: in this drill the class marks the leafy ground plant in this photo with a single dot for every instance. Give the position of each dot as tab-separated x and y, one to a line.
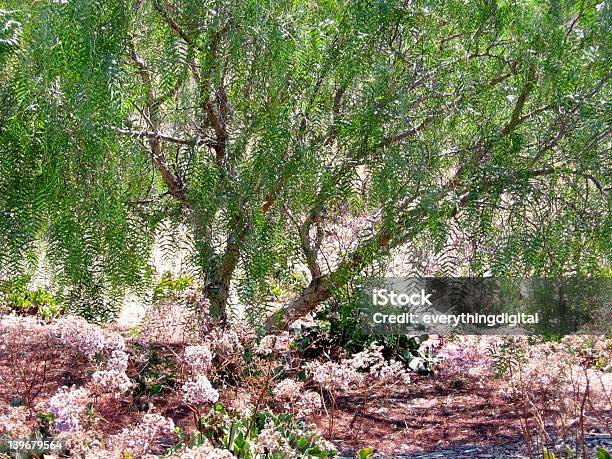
17	297
261	434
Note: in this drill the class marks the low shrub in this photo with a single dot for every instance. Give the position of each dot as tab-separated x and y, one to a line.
263	434
17	297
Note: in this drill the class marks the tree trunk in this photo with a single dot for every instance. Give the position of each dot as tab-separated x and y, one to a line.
317	292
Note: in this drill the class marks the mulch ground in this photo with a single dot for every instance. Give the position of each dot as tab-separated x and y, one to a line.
423	415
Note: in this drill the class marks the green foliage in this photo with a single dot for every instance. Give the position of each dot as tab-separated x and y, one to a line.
548	455
507	357
156	377
602	454
169	287
248	124
343	328
10	30
16	295
365	453
239	435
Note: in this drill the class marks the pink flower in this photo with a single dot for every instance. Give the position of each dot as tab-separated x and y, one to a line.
14	423
288	390
118	361
274	343
198	358
224	343
206	451
68	405
137	440
90	339
334	376
270	441
111	381
199	391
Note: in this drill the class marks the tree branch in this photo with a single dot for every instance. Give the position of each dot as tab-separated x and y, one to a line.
173	181
516	119
175	27
553	170
407	134
219	127
197	141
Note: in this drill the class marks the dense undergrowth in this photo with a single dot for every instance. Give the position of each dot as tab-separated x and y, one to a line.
180	384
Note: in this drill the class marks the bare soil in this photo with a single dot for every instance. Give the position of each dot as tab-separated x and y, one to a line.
424	415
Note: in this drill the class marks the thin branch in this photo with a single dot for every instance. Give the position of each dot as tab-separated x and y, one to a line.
197	141
553	170
332	131
407	134
175	27
534	112
516	119
220	131
173	181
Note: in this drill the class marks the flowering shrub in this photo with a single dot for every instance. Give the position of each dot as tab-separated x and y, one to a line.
68	407
183	319
168	322
108	353
269	395
227	343
374	362
239	403
198	358
132	441
465	358
270	344
295	400
14	422
199	391
139	439
27	352
118	361
288	389
93	341
593	351
272	442
260	435
88	338
110	381
307	404
206	451
553	385
87	444
334	376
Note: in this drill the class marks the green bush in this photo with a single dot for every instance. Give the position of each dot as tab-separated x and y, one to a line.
16	296
342	320
169	287
238	434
